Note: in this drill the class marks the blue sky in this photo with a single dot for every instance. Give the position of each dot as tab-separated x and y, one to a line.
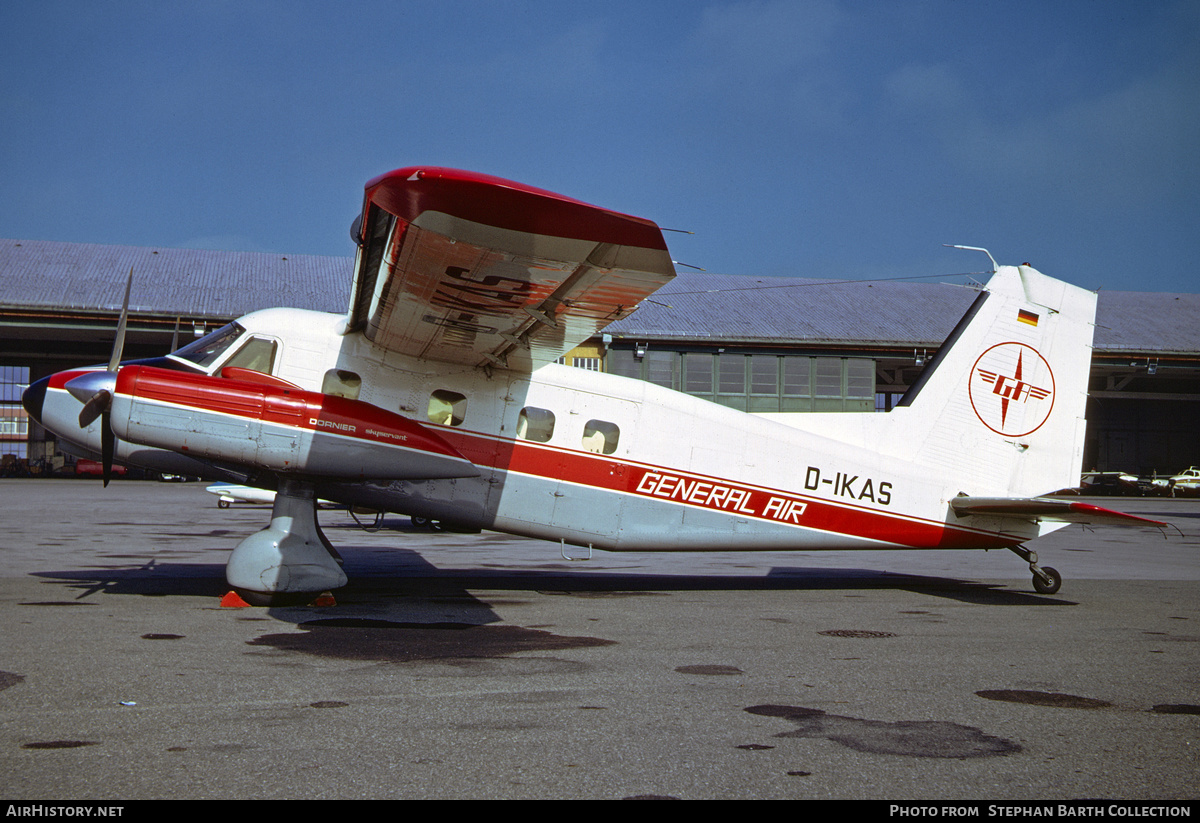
814	139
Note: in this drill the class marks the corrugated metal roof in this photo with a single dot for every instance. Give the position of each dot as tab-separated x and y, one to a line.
694	306
736	308
1148	321
194	282
728	308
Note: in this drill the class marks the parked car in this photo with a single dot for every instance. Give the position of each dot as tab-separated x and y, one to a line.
94	468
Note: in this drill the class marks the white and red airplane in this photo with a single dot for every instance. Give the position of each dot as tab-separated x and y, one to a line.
437	396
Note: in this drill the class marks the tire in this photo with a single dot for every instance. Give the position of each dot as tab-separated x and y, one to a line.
1042	587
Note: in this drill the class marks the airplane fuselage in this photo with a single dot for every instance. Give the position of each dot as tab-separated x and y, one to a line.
619	464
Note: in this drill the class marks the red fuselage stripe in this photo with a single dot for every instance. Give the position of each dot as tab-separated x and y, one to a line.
773	505
298	409
293	408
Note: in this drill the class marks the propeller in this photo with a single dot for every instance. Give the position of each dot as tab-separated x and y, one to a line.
96	389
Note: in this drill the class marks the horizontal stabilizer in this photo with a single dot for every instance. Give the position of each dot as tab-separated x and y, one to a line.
1047	508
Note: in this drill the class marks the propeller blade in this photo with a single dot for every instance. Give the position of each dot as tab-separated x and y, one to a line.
107	446
95	390
98	404
119	342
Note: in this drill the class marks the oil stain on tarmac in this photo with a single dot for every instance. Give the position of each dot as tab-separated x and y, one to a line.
907	738
396	642
1036	698
709	669
59	744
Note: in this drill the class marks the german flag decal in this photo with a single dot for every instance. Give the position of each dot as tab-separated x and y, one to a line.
1027	317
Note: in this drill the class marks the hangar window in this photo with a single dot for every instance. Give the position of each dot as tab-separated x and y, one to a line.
828	377
698	368
580	362
843	384
447	408
764	374
662	368
14	424
624	363
731	373
860	378
341	383
600	437
754	381
796	376
535	424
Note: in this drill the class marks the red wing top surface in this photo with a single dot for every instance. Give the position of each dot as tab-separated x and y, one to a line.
465	268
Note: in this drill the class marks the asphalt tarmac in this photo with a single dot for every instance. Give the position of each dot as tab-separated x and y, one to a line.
488	666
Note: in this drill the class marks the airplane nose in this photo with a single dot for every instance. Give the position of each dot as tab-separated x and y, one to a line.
33	398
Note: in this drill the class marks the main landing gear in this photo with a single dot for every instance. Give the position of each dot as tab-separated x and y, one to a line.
1046	580
290	556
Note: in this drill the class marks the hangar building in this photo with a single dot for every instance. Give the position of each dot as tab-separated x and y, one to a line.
757	344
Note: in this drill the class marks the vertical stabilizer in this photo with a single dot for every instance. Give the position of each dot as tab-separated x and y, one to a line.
1000	411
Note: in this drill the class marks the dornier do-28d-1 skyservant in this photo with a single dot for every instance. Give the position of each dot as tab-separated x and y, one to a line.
437	395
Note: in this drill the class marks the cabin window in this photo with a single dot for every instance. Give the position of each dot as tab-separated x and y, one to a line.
535	424
257	355
447	408
600	437
341	383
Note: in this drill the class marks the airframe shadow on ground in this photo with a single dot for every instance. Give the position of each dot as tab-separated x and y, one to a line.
489	666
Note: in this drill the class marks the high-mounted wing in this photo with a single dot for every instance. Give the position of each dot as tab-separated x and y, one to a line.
471	269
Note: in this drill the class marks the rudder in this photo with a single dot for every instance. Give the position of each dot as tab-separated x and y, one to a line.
1001	407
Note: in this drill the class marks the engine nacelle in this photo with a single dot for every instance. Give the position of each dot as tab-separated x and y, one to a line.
267	425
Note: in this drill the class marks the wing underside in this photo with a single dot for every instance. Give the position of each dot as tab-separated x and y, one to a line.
474	270
1036	509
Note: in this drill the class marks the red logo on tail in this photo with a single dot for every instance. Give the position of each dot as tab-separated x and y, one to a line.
1012	389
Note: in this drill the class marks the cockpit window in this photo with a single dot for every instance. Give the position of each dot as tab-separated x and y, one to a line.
257	355
209	348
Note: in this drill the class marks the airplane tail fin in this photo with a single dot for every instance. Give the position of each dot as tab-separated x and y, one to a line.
1002	404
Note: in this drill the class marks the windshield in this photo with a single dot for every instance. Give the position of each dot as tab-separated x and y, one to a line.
209	348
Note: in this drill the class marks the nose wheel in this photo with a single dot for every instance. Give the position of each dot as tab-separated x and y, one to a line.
1046	580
